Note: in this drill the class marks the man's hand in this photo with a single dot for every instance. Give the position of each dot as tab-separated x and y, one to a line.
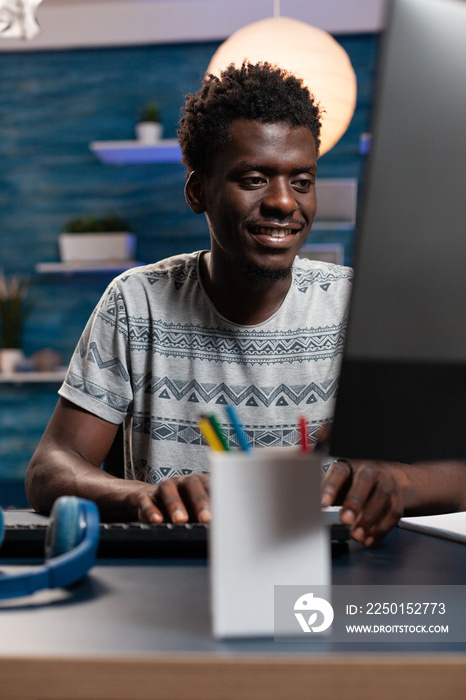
177	500
371	496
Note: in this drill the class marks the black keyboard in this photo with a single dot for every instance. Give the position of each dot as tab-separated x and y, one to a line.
159	541
117	540
25	537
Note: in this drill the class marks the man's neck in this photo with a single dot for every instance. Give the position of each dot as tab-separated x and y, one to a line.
238	296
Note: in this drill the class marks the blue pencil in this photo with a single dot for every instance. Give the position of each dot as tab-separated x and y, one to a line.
242	437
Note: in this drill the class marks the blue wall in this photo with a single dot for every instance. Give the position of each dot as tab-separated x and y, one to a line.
52	104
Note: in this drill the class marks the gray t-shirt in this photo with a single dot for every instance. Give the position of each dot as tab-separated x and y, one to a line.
156	354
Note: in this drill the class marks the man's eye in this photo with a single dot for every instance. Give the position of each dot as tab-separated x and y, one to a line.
303	184
252	181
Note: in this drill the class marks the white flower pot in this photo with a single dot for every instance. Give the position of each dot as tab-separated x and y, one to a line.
10	359
149	132
86	247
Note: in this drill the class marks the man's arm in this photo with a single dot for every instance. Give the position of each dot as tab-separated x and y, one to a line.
67	461
375	495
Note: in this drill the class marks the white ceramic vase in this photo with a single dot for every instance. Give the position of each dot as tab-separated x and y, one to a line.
10	359
92	247
149	132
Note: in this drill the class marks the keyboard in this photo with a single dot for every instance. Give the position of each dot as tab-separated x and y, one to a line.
25	537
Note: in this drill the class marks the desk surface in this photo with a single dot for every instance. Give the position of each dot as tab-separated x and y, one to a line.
146	624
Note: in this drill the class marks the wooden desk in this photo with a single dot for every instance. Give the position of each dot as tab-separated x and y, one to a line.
141	629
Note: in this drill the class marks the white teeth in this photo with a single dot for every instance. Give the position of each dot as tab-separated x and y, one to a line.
274	232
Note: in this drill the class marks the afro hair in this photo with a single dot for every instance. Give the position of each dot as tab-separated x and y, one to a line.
260	92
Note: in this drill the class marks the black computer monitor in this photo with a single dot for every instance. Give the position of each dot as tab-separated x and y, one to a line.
402	392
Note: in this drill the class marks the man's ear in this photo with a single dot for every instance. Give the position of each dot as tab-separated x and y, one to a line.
194	192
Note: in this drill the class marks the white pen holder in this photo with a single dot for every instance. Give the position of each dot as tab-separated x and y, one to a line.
267	529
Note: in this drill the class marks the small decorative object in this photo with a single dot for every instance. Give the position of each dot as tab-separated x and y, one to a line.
13	313
91	239
149	129
46	360
18	19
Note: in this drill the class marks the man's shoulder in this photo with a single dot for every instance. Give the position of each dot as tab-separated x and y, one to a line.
177	268
307	272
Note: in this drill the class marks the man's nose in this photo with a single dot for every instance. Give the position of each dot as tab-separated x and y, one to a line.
279	198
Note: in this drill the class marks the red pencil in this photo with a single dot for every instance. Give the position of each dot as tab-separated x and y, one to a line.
303	438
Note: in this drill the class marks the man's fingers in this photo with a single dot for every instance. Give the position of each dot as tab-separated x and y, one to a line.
363	484
382	527
182	499
171	502
194	491
373	505
148	511
336	480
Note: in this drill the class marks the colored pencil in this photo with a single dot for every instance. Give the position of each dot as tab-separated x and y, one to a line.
303	437
218	431
210	434
241	435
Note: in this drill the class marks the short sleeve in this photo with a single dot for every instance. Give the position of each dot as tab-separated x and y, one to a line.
98	377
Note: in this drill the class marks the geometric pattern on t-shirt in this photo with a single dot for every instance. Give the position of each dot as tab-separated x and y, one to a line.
97	392
141	472
221	393
225	345
113	365
324	277
188	432
302	279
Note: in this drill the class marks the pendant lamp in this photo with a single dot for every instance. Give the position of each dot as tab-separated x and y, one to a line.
309	53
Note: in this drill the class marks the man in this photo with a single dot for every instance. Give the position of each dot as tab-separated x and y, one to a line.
246	322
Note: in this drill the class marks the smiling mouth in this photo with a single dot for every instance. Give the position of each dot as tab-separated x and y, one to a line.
274	231
273	234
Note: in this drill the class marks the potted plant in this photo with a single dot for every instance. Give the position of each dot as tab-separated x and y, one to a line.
149	129
93	239
13	313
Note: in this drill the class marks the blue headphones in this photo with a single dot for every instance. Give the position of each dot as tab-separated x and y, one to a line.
71	543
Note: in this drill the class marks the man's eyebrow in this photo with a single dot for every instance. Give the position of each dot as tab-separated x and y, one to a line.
249	165
311	169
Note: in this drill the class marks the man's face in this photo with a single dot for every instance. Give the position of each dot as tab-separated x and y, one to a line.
260	201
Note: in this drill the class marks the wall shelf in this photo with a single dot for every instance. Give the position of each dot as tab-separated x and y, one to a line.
127	152
56	376
68	268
